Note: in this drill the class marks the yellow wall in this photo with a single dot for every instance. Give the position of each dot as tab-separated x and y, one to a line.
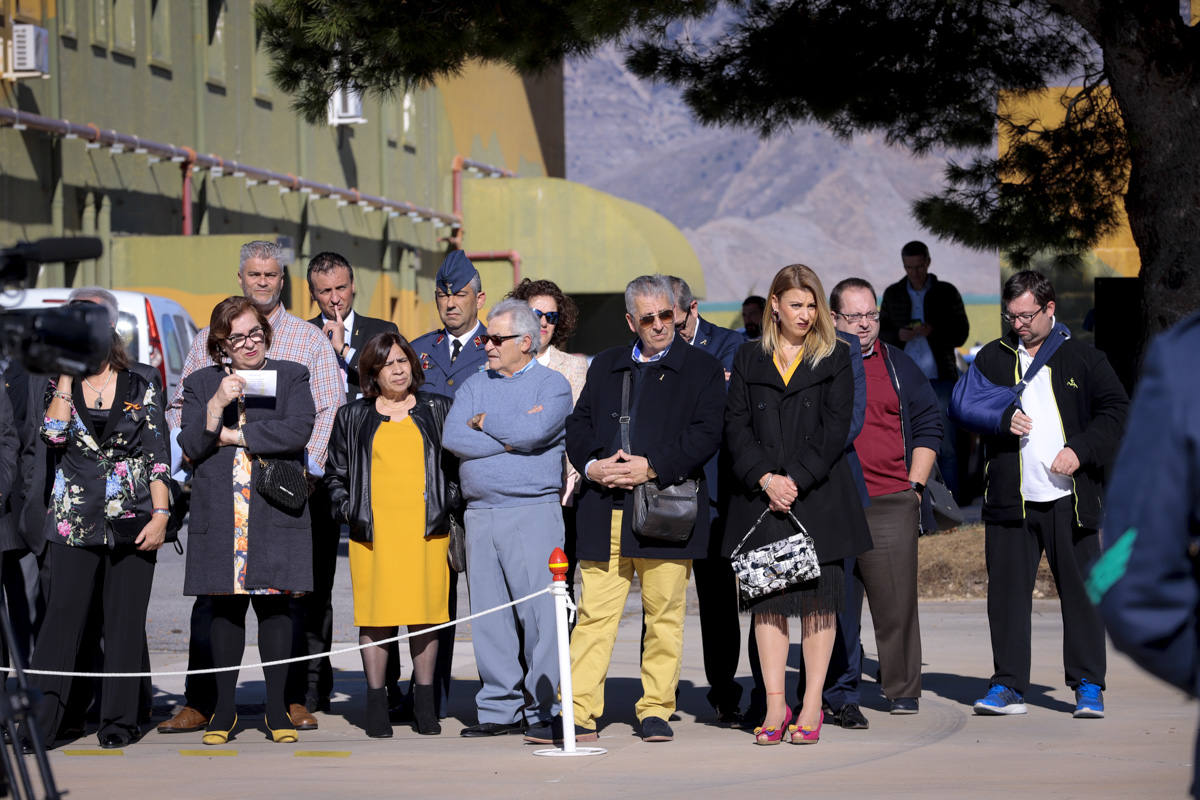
1047	109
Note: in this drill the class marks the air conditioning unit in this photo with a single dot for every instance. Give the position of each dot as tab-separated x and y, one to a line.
30	50
345	107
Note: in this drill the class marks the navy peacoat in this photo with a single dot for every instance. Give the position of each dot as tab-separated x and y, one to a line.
799	430
677	428
280	544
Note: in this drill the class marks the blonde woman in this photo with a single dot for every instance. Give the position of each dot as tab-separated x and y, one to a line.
786	423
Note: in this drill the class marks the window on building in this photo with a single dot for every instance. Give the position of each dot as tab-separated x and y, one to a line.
216	40
160	31
68	21
100	14
28	11
262	67
123	28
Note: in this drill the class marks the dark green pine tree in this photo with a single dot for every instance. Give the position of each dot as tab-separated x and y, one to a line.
925	73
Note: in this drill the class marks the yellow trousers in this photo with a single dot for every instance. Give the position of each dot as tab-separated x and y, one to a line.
605	588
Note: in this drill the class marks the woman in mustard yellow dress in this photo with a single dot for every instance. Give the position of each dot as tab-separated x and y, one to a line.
391	483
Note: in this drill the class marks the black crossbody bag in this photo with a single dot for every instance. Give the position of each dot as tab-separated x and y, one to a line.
669	514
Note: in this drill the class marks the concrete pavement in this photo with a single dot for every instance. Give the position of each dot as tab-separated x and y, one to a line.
1143	748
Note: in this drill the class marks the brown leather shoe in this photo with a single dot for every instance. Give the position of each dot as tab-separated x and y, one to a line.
301	718
186	720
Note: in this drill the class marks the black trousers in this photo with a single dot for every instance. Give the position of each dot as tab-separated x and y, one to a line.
311	682
1013	553
125	576
720	631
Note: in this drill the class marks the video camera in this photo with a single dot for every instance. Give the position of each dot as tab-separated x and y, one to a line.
71	339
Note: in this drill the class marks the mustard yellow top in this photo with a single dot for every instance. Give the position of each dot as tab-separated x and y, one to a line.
790	370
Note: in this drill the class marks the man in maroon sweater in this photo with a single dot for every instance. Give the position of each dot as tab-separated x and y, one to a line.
897	447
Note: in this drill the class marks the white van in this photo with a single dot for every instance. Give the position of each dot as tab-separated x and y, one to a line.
157	330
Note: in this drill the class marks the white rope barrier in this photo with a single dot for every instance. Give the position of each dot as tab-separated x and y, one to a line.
281	661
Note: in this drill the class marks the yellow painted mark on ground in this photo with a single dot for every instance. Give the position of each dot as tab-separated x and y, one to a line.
322	754
94	752
208	752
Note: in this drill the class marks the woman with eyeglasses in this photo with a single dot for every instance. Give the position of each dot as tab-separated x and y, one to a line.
392	483
109	507
243	549
787	419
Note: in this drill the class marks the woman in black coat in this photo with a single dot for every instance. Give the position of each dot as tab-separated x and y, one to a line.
107	519
788	414
243	549
382	444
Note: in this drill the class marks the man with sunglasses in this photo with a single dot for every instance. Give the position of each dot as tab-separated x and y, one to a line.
1045	479
676	406
506	427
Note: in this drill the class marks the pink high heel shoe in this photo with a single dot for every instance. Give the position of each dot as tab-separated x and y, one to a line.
804	735
763	735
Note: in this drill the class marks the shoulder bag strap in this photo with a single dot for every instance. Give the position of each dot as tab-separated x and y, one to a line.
1048	348
624	419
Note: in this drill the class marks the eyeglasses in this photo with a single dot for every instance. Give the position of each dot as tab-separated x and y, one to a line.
237	341
873	316
1024	319
679	326
666	315
497	340
551	316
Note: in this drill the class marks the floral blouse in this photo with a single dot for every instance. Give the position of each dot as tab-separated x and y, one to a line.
106	473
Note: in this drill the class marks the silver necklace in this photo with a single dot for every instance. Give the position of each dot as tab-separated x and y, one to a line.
100	392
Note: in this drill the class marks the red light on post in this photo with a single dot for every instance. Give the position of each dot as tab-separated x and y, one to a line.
558	564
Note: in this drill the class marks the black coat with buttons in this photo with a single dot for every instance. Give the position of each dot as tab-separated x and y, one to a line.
676	426
799	430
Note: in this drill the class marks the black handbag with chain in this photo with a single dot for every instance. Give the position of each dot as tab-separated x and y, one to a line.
668	514
281	483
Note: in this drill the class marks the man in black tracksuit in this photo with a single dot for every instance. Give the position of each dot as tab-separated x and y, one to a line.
1043	491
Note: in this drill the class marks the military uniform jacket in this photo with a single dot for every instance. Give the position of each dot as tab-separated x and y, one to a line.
442	376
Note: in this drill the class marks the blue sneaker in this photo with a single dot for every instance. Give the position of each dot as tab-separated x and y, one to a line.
1000	700
1089	701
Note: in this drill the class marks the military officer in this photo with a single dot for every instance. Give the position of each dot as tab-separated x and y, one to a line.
455	352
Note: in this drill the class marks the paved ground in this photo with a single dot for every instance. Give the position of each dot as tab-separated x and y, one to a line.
1143	748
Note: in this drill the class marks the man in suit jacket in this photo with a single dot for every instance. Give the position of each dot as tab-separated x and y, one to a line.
676	407
716	587
448	357
331	284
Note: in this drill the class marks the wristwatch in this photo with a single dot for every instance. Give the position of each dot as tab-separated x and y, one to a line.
917	487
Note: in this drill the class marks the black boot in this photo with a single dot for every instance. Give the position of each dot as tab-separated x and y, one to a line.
378	726
425	719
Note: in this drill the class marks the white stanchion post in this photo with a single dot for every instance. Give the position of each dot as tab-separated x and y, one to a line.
558	567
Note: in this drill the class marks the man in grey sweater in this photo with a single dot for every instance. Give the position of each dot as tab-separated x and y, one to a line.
507	425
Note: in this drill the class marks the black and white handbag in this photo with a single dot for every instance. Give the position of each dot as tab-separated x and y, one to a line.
776	566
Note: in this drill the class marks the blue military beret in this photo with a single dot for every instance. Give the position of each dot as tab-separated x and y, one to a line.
455	272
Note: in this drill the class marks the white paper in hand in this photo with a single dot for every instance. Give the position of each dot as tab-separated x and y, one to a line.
259	382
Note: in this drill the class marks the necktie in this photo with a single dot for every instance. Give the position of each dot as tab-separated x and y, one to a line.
455	349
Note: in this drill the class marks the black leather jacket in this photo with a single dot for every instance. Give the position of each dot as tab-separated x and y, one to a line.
348	465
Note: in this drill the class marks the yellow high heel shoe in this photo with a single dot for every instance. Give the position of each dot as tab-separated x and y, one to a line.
283	735
219	737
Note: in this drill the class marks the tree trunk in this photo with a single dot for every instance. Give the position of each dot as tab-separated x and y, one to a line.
1153	78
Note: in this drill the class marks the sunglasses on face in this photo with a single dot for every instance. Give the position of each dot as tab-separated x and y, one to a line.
666	315
551	316
497	340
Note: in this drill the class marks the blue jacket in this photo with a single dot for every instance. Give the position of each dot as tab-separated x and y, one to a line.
1146	581
920	417
441	376
860	413
720	343
1149	591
